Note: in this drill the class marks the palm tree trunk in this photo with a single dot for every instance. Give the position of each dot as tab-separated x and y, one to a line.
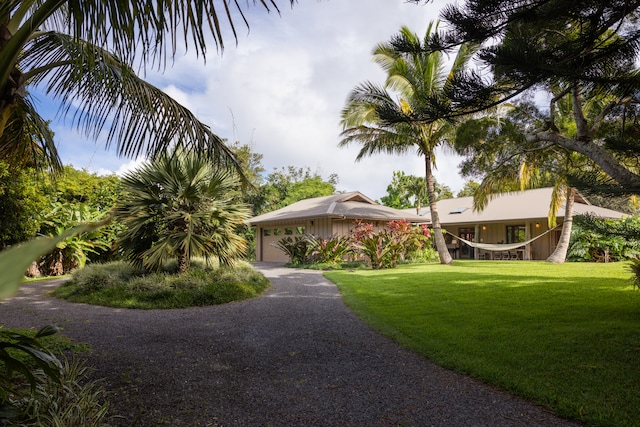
560	254
183	262
441	245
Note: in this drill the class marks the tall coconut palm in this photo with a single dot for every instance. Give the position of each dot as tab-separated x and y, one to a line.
382	119
82	54
180	205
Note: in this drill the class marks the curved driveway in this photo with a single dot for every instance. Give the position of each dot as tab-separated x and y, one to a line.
295	356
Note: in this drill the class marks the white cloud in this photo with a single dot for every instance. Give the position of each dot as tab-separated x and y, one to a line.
283	87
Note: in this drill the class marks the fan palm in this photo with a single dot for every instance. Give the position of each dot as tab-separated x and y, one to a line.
180	205
82	53
383	122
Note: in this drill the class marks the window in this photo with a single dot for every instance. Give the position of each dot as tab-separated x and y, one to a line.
300	230
458	210
277	232
516	233
288	231
266	232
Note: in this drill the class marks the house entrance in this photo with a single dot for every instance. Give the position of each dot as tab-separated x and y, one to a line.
466	251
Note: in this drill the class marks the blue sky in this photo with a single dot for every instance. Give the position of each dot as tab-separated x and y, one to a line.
281	90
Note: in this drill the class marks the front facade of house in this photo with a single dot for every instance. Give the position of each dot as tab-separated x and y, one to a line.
509	218
321	216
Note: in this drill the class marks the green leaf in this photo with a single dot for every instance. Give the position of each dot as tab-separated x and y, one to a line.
15	261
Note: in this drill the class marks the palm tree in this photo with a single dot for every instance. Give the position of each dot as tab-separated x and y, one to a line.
383	122
180	205
496	147
82	54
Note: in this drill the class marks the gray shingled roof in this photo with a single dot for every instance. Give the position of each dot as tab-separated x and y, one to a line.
353	205
522	205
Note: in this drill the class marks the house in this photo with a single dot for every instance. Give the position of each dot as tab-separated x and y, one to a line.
321	216
508	218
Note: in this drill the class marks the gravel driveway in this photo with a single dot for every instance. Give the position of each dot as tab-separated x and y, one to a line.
295	356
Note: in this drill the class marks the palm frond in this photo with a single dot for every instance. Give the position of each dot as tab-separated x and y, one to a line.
100	92
28	139
151	30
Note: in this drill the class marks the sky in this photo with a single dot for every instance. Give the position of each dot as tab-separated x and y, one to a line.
281	89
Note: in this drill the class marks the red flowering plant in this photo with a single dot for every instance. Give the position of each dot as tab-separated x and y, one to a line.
397	242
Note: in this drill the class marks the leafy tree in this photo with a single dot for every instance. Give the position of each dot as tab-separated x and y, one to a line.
285	186
180	205
584	47
383	122
497	147
20	204
82	54
409	191
469	189
71	185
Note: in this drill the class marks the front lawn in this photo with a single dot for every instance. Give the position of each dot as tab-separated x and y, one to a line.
563	336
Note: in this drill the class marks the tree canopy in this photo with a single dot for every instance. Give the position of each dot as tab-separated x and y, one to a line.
566	48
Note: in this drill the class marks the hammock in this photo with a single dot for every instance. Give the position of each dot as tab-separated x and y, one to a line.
498	247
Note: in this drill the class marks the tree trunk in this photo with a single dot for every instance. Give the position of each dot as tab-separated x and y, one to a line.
560	254
441	245
183	262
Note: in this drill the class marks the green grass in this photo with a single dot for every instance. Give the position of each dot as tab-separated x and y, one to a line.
563	336
120	285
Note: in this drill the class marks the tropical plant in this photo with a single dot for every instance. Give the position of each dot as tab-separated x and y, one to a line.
601	240
384	123
74	251
331	250
298	249
385	248
82	54
19	353
180	205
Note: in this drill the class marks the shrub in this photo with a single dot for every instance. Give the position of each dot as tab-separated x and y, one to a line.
197	287
597	239
73	401
298	249
397	242
95	277
330	250
37	388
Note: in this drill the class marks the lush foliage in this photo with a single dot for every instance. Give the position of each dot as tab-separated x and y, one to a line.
600	240
20	204
298	249
288	185
38	387
398	241
634	267
180	205
331	250
382	119
410	191
74	251
122	285
571	49
563	336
